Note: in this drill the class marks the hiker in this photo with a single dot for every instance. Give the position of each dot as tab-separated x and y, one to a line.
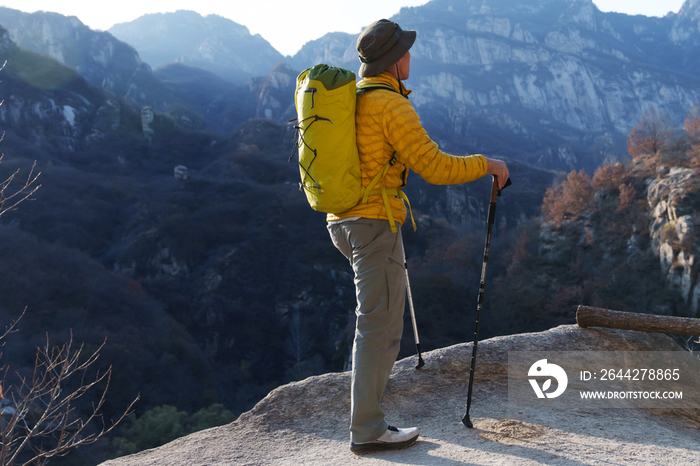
388	128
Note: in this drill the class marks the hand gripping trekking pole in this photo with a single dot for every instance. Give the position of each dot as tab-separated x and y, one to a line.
421	363
495	192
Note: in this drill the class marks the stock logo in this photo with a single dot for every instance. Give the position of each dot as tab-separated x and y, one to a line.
544	369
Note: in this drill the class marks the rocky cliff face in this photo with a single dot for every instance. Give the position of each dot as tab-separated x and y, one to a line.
557	82
685	25
572	71
629	241
673	198
212	43
336	48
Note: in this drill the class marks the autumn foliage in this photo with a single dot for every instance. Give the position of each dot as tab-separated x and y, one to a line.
568	200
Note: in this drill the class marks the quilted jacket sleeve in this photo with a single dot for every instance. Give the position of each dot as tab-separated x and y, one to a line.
421	154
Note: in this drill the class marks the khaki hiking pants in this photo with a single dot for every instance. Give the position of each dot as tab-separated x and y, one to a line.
376	256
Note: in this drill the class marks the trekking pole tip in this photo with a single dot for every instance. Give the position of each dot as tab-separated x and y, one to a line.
421	363
467	422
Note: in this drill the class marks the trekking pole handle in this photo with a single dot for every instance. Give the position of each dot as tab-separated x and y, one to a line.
508	184
495	191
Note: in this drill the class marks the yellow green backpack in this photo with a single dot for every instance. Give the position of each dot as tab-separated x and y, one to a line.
329	164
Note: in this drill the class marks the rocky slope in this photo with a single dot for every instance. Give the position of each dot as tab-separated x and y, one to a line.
305	422
97	56
52	106
263	97
212	43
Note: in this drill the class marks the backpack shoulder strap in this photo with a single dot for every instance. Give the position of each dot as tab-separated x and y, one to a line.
385	192
372	87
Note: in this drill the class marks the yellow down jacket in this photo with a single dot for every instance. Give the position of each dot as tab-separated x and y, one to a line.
387	123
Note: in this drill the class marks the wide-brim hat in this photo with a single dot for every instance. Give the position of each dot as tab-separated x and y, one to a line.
382	44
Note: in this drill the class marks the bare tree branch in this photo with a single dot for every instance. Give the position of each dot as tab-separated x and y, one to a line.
45	422
10	200
650	135
12	327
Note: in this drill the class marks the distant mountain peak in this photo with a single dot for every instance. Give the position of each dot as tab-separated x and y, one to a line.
211	42
690	10
176	19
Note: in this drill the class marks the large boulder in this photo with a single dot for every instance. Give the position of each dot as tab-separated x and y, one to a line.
307	422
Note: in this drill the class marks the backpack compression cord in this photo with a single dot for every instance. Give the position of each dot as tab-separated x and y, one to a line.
306	171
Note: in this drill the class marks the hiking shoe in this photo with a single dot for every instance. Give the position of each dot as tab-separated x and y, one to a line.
393	439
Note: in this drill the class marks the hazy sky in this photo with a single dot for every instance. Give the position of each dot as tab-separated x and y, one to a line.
286	24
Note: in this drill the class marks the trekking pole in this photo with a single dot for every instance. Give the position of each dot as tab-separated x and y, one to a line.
495	192
421	363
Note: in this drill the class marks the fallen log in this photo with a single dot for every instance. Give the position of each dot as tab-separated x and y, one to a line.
587	316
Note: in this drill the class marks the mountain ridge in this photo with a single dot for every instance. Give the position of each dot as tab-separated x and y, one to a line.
558	84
